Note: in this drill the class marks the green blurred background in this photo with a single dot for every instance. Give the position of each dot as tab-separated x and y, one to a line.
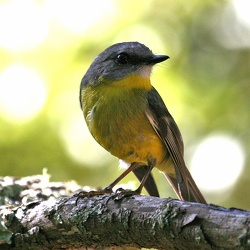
47	46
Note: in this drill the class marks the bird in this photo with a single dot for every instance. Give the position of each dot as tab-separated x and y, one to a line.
127	116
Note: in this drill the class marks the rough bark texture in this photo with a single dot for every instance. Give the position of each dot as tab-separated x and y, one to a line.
137	221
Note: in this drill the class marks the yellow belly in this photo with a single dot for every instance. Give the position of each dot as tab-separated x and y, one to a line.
117	120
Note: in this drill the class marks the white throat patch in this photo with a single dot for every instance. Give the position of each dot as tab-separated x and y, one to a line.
145	71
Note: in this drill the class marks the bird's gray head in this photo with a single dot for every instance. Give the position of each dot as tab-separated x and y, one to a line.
119	61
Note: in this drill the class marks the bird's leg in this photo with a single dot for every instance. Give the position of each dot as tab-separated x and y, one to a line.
121	193
109	188
151	164
150	184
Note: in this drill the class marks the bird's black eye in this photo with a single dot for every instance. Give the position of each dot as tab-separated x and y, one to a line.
122	58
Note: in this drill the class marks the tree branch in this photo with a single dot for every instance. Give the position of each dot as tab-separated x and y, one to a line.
137	221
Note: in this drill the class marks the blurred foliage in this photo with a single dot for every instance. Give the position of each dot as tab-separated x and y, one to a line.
205	84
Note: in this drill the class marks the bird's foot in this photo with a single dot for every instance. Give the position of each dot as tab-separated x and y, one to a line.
120	193
89	194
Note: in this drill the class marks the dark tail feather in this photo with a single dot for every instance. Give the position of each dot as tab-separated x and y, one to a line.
150	184
187	192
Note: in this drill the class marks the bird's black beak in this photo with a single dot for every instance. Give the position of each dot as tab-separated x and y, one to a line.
157	59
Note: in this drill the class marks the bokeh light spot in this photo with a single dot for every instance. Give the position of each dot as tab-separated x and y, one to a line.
79	15
23	25
22	93
217	162
241	8
233	25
